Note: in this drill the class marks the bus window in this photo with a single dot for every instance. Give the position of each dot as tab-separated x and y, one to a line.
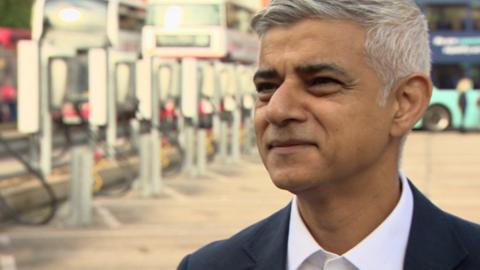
184	15
238	18
446	76
447	17
476	76
131	18
476	18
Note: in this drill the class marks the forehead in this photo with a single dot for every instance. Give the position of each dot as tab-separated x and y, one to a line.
313	40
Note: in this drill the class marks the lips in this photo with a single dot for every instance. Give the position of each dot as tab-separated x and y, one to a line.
288	143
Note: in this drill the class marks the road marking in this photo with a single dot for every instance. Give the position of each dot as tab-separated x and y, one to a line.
174	194
111	221
7	262
4	240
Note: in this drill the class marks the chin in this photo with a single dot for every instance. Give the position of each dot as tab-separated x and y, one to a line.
292	182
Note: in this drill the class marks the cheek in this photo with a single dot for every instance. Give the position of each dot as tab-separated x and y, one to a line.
259	122
260	126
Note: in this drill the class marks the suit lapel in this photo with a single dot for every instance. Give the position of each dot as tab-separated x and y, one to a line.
432	243
268	247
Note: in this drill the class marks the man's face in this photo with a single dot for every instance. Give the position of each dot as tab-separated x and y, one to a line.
318	119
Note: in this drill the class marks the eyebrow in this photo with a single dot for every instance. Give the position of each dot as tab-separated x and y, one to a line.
327	67
266	74
304	71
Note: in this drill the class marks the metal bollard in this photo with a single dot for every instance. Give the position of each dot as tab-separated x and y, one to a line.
135	134
80	197
145	172
144	167
150	181
223	141
190	150
156	163
111	129
201	151
235	143
33	151
249	136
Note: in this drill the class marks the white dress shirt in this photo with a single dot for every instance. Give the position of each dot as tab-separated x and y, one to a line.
383	249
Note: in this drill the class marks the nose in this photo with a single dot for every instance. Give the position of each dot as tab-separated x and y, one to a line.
285	105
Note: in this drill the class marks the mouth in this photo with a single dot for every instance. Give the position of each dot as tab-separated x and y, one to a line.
288	144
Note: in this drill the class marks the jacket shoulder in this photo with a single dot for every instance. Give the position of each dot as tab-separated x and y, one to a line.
219	254
469	233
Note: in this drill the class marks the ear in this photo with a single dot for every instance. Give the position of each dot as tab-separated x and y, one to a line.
411	98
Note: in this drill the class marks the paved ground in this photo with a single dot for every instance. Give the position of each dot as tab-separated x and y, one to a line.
134	233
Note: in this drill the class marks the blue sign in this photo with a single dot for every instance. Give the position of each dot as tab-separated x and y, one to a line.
454	48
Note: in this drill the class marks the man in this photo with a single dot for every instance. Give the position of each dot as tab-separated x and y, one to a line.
340	84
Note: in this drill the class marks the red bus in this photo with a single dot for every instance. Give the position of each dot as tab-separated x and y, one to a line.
9	38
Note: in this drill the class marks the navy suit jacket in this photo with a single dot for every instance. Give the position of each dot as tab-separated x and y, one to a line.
437	241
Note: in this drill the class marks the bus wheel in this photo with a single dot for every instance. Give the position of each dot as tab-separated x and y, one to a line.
437	118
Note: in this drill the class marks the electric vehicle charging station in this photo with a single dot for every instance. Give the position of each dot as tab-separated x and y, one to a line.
72	30
120	89
149	91
206	112
230	116
35	91
168	86
47	88
189	109
237	117
248	105
164	80
105	35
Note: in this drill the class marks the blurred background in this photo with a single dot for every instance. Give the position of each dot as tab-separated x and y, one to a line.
126	134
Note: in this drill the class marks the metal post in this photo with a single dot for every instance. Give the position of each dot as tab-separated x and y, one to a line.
155	136
248	143
33	147
217	97
201	151
45	114
237	121
145	165
111	107
216	126
235	143
253	136
189	107
81	187
93	136
223	141
190	150
156	165
134	133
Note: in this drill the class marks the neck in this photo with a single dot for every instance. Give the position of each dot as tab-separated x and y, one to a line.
341	216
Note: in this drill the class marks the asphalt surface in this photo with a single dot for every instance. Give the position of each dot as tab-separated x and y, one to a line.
131	232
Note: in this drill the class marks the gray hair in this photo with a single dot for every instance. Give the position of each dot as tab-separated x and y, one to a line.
397	42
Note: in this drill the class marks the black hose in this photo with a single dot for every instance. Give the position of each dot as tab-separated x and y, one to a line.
13	213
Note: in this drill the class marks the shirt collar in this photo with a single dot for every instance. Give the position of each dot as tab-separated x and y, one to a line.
384	248
300	242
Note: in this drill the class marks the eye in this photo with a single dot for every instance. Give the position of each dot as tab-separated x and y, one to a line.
324	85
265	87
324	81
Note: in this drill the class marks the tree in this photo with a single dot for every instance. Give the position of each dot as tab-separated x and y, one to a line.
15	13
